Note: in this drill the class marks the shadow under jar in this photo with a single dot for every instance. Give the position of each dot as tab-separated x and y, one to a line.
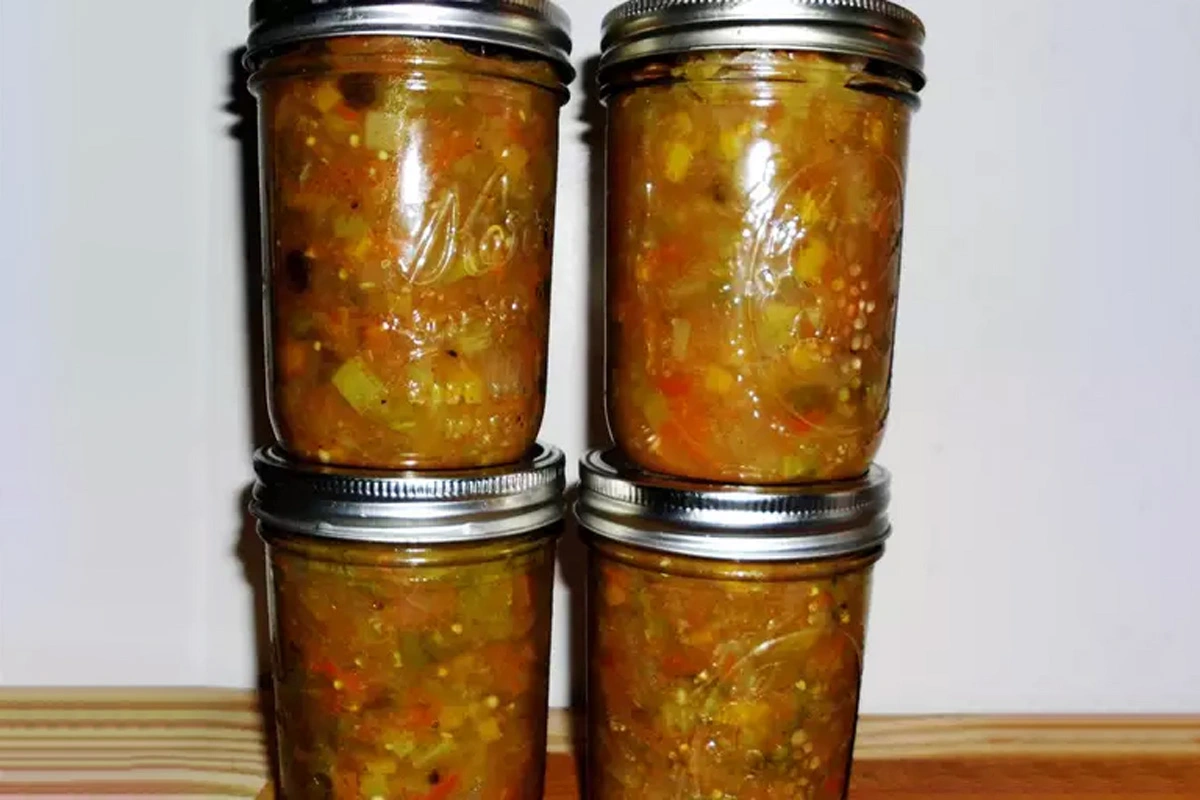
410	626
409	156
725	634
756	171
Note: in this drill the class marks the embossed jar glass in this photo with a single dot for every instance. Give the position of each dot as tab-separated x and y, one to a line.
756	172
410	626
725	633
409	174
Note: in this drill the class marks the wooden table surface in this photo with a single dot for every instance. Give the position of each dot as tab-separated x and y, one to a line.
209	743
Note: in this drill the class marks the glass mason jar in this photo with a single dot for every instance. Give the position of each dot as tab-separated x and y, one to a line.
725	634
756	171
410	626
408	178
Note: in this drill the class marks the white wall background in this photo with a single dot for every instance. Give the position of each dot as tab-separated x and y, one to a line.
1047	399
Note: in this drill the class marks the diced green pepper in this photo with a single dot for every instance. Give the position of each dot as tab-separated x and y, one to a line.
430	757
363	391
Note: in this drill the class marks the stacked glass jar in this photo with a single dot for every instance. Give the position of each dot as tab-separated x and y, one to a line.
408	163
756	170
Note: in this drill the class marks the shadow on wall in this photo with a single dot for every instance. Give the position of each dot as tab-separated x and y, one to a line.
592	115
248	547
572	552
572	564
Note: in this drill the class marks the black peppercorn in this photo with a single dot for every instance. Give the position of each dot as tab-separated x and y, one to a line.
298	268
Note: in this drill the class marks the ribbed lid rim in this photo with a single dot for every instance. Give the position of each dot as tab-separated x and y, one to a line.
420	507
618	501
871	28
538	27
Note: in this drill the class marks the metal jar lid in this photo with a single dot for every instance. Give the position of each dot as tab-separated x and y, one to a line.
413	508
533	26
619	502
870	28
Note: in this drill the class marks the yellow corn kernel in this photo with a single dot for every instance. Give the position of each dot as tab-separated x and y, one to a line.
702	69
452	717
351	227
777	330
804	357
875	132
792	467
718	380
642	271
489	730
810	210
810	261
327	97
382	130
679	159
682	123
400	303
515	159
731	142
746	714
681	333
656	410
473	391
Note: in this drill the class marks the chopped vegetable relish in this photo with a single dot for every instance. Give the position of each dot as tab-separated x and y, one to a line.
409	191
411	674
723	681
755	218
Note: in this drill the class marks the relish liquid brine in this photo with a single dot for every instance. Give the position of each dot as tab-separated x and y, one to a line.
410	622
411	672
409	189
721	679
755	221
726	632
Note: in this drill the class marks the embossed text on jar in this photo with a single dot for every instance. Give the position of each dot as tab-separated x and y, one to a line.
411	672
755	224
719	679
409	188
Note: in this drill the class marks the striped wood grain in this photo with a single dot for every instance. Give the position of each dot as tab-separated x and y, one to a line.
167	743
